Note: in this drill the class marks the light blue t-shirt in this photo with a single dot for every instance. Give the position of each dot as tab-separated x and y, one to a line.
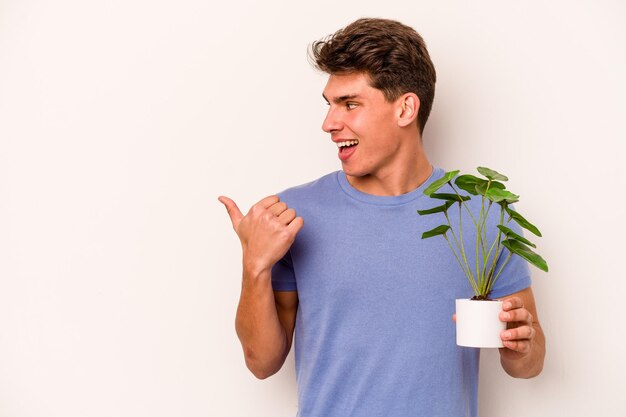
374	333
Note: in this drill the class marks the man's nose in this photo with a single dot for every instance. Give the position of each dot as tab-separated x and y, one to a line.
332	122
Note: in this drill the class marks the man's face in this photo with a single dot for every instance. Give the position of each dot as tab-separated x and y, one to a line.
361	117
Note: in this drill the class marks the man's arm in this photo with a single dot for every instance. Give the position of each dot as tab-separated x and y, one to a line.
265	323
524	342
265	319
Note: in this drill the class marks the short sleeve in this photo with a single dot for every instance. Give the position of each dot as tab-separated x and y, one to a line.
283	276
515	275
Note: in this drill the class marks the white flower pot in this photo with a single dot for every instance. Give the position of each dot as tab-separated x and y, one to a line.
477	323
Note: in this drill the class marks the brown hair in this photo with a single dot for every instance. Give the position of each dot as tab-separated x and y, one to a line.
392	54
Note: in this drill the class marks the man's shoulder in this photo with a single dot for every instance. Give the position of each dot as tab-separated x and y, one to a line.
312	189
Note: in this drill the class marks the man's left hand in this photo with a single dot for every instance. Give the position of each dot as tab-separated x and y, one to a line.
519	334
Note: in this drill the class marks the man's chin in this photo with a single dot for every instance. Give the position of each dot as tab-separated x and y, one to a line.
353	173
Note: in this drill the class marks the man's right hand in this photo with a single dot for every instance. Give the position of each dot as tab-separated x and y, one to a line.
266	232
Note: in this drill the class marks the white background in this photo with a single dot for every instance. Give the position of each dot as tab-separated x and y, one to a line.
122	121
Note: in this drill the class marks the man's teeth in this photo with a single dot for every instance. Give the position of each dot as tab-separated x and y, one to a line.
347	143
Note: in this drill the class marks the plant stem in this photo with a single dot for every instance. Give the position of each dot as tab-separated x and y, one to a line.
481	237
456	241
496	243
479	242
502	267
499	250
484	228
476	283
461	234
467	273
463	202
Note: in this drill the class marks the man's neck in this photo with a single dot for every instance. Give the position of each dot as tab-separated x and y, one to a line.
395	181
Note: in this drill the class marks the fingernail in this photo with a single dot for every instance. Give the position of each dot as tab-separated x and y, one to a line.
506	316
506	335
507	305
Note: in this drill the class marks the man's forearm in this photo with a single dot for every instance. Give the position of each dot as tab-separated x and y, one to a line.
262	336
531	364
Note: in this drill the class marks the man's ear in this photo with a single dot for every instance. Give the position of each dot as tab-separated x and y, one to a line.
408	108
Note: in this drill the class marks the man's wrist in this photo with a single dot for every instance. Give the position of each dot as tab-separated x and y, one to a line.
255	270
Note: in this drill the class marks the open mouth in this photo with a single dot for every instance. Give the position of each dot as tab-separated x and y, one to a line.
347	145
346	148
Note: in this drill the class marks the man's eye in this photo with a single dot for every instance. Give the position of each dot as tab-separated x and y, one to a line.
351	105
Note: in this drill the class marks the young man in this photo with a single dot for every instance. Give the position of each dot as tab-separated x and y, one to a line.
370	301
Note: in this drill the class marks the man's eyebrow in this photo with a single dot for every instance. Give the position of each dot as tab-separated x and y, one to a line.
341	99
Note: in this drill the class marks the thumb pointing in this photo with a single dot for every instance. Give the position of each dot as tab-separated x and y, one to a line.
233	211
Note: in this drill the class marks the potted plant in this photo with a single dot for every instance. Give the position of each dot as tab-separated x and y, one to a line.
477	319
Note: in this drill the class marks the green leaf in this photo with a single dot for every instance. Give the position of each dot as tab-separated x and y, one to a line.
439	230
481	187
496	195
512	235
450	197
525	252
519	219
491	174
468	183
445	206
440	182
